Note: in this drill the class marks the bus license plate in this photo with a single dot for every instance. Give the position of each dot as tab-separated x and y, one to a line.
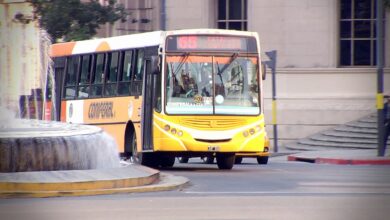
213	148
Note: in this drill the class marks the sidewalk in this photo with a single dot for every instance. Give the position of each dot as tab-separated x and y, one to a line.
126	179
342	157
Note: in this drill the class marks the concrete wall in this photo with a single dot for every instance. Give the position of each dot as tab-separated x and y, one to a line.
302	31
313	94
184	14
310	100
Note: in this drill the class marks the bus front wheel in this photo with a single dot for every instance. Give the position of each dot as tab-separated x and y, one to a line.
225	161
146	159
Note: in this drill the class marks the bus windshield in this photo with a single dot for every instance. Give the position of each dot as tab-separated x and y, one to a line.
221	85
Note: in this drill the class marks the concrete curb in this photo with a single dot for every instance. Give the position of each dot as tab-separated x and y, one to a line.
338	161
53	184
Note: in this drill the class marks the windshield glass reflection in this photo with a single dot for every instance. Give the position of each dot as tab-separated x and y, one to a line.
212	85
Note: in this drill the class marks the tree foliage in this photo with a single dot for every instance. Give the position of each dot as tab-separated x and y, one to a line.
75	20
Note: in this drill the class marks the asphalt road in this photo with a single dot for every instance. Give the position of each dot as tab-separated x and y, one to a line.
279	190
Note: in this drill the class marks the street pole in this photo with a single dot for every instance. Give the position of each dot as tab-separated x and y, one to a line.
272	65
379	64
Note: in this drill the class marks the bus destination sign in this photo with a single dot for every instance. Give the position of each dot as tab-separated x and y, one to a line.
211	43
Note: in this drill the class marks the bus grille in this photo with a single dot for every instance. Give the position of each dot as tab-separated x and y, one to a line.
212	123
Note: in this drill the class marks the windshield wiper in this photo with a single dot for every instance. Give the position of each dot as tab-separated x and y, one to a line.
181	62
220	71
232	58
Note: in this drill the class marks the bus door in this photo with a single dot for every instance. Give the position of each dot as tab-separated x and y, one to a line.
147	106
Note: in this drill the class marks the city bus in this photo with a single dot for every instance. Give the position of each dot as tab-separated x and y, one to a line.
165	94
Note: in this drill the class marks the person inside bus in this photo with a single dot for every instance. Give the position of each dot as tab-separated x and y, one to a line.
177	86
188	84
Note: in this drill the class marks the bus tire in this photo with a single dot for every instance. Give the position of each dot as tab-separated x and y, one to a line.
238	160
145	159
136	157
183	159
150	160
208	160
225	161
262	160
167	161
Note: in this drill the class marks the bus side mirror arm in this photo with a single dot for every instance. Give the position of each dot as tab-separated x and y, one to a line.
263	70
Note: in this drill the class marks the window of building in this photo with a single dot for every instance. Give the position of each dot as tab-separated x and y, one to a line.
357	33
232	14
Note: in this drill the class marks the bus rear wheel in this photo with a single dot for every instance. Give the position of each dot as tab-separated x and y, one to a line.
208	160
262	160
225	161
183	159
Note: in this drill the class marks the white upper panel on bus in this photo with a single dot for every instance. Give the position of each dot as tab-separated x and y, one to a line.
212	31
155	38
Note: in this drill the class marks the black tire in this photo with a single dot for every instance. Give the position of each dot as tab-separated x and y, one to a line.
146	159
225	161
183	159
150	160
208	160
167	161
136	157
238	160
262	160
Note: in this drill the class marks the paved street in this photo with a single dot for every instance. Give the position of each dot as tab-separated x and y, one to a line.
279	190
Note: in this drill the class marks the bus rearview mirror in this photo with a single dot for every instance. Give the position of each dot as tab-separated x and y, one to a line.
263	70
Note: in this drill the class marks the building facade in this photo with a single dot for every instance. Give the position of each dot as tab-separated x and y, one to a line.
326	56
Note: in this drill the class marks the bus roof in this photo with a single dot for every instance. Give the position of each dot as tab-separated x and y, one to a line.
131	41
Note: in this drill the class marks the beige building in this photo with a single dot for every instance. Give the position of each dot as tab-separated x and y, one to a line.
326	68
20	59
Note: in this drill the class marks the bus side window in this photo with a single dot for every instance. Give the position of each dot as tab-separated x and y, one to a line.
136	86
112	74
70	77
97	81
140	65
125	76
84	79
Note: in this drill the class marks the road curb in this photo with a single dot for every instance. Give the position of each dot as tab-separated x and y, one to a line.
135	179
166	182
321	160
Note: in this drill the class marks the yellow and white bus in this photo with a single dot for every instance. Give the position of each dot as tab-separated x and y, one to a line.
165	94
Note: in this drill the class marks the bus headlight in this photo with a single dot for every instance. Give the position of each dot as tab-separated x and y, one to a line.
173	131
167	127
245	133
251	131
180	133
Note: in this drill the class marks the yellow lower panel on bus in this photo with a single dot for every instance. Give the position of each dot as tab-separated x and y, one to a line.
171	134
117	131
